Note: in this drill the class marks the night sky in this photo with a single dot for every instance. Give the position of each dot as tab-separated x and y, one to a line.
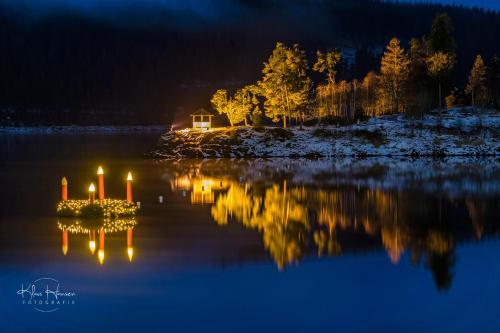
207	8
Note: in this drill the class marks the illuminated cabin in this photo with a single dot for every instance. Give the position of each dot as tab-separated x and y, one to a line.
202	119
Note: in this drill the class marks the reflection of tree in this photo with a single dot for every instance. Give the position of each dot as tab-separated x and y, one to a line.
441	257
288	217
280	216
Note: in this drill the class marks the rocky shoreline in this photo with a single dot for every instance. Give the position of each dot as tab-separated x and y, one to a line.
457	133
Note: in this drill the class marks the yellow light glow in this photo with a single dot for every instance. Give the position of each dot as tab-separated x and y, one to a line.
129	177
92	187
64	181
100	254
130	252
65	249
92	246
100	171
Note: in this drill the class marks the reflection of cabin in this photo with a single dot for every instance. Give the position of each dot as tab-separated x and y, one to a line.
202	119
203	189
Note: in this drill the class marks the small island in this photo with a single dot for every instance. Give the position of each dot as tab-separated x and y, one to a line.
412	105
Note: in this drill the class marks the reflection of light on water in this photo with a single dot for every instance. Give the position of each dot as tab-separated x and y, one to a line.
85	229
202	188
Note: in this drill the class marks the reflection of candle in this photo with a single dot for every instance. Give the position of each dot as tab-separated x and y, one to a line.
129	187
100	253
92	241
91	193
130	249
100	176
64	189
65	242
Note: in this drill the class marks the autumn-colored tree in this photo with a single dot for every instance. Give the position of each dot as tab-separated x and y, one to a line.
224	104
477	83
440	65
285	85
368	94
236	108
327	63
393	77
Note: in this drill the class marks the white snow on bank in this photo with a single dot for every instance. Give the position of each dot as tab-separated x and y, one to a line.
81	129
454	133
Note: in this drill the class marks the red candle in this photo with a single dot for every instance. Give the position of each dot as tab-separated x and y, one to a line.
100	176
64	189
91	193
65	242
129	187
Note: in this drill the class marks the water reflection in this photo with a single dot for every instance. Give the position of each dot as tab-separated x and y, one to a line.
296	216
89	228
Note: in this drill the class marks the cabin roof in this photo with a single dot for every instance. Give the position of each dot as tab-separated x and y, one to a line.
201	112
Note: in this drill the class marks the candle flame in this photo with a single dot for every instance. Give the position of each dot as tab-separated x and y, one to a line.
65	249
91	187
100	254
92	246
129	177
64	181
100	171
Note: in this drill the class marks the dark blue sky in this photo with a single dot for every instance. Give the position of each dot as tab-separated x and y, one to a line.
198	5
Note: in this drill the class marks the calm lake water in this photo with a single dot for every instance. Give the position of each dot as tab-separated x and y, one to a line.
374	245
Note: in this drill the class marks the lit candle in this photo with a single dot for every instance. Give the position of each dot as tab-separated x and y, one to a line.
65	242
100	176
91	193
130	249
92	241
129	187
100	253
64	189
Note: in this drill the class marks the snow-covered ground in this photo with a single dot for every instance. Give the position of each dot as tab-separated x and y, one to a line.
454	133
81	129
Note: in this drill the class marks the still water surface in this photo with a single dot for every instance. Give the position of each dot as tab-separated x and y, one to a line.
377	245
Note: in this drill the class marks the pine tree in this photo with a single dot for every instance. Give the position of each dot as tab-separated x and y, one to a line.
441	36
394	74
440	65
285	85
477	82
494	81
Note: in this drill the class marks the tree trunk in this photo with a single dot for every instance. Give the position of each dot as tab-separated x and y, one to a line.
284	121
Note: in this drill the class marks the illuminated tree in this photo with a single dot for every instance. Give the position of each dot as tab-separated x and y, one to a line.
327	63
285	85
477	82
393	77
440	65
368	94
236	108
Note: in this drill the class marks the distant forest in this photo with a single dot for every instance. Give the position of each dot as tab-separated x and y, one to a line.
148	65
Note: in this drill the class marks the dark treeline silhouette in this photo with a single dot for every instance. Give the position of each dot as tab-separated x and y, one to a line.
70	67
